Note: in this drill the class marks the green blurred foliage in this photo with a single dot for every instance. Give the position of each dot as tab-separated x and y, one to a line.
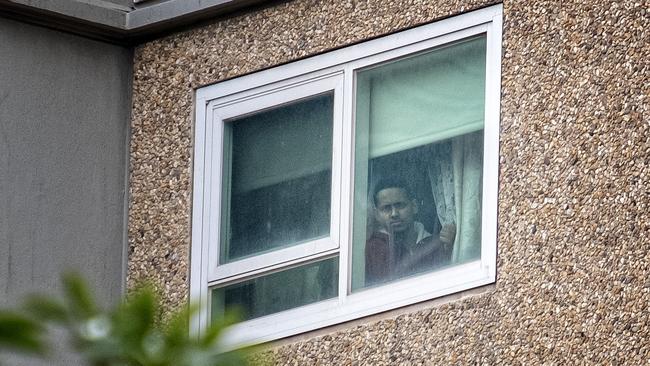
132	334
20	333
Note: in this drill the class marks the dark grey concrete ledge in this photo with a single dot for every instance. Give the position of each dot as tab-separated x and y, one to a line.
100	12
93	22
120	21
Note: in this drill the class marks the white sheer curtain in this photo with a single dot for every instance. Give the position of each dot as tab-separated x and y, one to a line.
455	173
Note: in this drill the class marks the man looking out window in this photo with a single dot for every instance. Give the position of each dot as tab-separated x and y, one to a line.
400	245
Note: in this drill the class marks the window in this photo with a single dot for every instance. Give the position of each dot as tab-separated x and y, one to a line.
349	183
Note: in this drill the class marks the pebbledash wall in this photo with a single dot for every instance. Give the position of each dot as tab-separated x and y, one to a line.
573	278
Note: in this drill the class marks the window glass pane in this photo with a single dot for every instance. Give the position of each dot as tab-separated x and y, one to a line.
418	163
277	178
279	291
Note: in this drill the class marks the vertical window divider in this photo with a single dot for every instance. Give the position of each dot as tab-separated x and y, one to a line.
345	253
337	151
215	196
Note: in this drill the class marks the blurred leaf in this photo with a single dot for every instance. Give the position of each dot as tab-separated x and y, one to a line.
217	326
19	333
46	309
102	351
130	335
136	315
176	328
78	296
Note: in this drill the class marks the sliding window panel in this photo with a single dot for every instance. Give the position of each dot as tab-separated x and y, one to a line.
418	163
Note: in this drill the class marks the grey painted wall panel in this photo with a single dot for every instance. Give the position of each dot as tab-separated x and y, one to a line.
64	111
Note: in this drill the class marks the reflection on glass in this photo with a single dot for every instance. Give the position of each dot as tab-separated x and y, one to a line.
418	163
279	291
277	178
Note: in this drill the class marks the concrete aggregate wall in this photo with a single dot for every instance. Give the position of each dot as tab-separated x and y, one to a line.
574	189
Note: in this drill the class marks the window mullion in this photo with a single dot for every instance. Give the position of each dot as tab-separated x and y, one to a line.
347	183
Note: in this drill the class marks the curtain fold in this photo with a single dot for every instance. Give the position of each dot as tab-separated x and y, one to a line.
455	173
441	177
467	161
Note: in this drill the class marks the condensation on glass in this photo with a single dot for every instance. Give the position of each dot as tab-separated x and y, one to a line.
418	163
277	178
278	291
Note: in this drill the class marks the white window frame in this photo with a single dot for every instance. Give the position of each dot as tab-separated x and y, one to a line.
333	71
240	104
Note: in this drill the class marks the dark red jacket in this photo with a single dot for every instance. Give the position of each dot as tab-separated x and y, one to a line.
384	263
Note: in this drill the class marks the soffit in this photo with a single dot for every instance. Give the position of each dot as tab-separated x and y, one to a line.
119	21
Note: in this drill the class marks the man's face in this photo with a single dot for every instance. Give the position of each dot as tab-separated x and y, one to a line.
395	210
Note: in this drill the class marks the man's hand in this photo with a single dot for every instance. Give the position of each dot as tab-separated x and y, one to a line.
448	234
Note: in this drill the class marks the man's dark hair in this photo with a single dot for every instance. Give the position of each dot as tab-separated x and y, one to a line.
391	182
